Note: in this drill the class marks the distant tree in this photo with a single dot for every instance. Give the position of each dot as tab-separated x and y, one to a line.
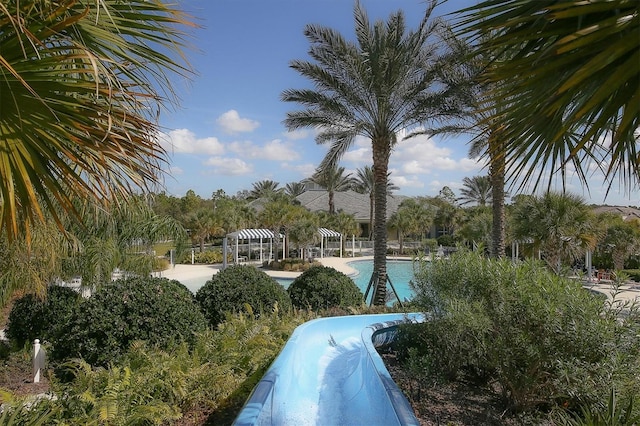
293	189
475	190
264	189
346	225
411	218
190	202
203	224
561	226
621	239
333	179
303	232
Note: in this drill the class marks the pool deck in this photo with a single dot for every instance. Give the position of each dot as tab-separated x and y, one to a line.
627	292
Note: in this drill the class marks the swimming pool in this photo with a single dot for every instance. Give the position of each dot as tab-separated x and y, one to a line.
400	272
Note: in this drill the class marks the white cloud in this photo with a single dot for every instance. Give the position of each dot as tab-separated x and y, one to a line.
298	134
358	156
231	122
275	150
184	141
228	166
305	170
407	181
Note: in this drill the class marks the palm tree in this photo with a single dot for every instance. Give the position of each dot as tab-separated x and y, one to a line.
304	231
561	226
293	189
364	183
264	189
411	218
203	224
386	82
334	180
82	86
346	225
621	239
475	190
582	78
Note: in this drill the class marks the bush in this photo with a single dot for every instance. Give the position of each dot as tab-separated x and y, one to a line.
207	257
634	274
292	265
236	286
157	310
34	318
322	287
542	338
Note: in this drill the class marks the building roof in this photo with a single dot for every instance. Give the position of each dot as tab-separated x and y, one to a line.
349	202
627	213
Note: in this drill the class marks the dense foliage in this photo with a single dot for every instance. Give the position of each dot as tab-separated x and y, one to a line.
237	287
157	310
34	318
543	339
323	287
213	377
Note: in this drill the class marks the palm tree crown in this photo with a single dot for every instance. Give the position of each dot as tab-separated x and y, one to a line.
475	190
386	82
81	89
334	180
572	69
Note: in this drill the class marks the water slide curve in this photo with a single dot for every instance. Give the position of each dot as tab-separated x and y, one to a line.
329	373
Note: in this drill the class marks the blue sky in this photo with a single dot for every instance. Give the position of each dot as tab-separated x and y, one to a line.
227	132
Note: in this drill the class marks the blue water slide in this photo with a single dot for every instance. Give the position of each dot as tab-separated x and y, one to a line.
329	373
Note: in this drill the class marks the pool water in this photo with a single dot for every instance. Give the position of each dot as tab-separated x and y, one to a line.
400	273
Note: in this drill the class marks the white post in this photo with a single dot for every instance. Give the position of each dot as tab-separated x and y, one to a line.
193	256
38	360
353	245
341	246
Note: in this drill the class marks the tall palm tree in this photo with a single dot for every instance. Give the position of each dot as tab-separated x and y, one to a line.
386	82
580	60
333	179
82	86
475	190
364	183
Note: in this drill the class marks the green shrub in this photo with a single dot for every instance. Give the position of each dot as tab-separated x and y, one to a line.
322	287
236	286
34	318
206	257
634	274
542	338
157	310
291	265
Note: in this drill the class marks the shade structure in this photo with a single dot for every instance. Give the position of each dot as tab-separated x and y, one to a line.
326	234
253	235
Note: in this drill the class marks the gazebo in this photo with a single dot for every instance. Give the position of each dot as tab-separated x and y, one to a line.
326	234
250	235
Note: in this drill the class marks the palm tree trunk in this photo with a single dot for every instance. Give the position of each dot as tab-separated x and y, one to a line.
371	210
497	176
332	207
380	168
